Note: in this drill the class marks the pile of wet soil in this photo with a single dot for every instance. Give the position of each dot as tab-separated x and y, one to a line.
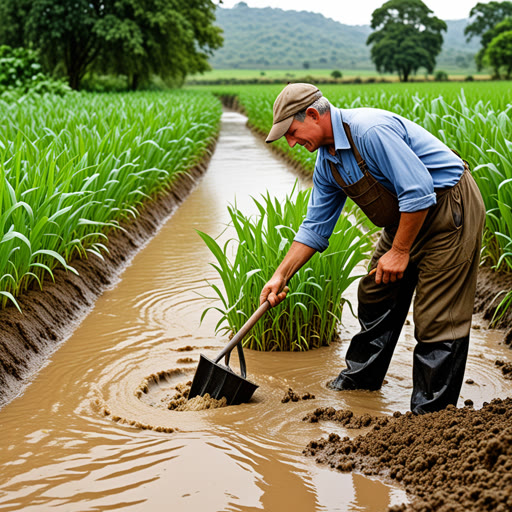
292	396
347	418
49	316
179	400
452	460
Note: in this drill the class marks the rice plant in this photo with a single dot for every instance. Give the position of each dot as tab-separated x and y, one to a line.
72	168
311	313
473	118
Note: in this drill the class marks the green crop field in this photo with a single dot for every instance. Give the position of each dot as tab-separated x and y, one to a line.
284	75
73	167
474	118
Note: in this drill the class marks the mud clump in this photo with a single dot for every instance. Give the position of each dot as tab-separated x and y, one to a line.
347	418
451	460
506	368
180	401
292	396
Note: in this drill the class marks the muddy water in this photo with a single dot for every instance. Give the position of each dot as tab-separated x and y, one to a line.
83	438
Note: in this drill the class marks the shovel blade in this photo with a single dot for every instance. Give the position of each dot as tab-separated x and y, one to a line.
219	381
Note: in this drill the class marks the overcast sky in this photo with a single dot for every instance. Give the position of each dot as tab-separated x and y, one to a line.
359	12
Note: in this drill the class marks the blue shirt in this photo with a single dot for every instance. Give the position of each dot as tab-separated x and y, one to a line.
400	154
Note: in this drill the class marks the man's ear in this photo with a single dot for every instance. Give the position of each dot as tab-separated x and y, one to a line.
313	113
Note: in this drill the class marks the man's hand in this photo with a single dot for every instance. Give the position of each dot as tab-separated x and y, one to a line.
274	291
391	266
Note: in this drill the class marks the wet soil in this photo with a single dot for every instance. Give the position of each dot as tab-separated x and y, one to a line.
49	316
452	460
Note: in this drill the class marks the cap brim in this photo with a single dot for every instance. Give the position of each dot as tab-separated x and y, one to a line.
279	129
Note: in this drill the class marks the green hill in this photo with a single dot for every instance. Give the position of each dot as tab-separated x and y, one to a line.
271	38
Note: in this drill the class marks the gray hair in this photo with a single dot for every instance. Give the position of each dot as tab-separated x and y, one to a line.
321	104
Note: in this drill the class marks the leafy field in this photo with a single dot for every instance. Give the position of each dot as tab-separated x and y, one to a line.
73	167
474	118
284	75
311	314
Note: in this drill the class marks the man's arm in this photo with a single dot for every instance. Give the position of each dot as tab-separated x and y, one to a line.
295	258
391	266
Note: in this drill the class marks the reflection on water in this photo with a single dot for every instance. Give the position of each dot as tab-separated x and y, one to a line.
60	451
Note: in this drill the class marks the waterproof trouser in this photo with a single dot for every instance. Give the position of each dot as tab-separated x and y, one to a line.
441	276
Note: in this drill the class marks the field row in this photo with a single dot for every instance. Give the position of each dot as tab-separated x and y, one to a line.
73	167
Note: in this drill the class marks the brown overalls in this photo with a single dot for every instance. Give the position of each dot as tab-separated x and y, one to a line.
442	270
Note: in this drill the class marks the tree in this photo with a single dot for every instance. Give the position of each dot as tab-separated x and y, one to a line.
170	38
499	52
407	36
486	18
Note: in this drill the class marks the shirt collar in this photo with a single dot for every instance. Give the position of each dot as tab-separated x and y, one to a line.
340	137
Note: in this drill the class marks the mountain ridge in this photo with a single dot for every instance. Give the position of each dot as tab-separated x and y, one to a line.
274	38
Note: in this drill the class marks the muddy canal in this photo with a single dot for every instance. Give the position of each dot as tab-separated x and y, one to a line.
73	441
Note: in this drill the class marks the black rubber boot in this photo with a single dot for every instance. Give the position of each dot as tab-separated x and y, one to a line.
370	351
437	374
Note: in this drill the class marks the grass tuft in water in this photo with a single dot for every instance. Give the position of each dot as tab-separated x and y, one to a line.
311	314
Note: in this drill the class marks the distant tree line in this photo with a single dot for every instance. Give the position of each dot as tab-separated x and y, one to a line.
168	38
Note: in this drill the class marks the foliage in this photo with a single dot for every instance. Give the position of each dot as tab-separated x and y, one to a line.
73	168
481	58
170	38
337	74
475	120
311	313
21	71
406	37
267	38
499	51
485	17
441	76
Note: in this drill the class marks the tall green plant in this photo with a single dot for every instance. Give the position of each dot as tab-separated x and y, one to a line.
311	313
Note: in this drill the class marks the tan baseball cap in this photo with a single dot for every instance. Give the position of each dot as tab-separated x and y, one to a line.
292	99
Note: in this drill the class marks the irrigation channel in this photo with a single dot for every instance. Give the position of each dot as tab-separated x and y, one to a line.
60	451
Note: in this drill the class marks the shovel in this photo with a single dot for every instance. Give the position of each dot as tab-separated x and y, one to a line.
221	381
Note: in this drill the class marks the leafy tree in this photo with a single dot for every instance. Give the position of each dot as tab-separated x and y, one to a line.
499	52
170	38
406	37
336	74
487	38
486	16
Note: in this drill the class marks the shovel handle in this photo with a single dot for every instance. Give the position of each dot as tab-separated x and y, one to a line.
239	336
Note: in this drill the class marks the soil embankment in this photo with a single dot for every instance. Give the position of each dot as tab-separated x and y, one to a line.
452	460
49	316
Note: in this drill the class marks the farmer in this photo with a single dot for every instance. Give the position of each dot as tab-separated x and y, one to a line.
423	195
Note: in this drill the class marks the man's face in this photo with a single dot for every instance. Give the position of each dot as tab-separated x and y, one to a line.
308	133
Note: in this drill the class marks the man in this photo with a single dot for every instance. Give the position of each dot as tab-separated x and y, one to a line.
422	193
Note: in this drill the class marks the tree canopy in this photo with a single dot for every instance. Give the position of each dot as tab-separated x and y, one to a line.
490	20
169	38
499	51
406	37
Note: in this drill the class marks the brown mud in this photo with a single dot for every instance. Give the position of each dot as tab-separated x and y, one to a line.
49	316
452	460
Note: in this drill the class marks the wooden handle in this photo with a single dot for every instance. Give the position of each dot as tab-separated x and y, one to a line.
239	336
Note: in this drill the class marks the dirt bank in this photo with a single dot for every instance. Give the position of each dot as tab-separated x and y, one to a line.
453	460
49	316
